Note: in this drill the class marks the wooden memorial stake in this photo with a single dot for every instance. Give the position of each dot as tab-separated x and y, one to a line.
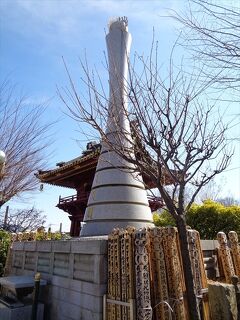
174	273
158	275
199	274
225	256
235	250
143	294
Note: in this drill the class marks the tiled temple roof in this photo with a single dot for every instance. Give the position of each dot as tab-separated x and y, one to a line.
71	173
67	165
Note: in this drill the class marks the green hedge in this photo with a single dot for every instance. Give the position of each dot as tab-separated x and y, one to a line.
5	240
212	217
163	219
208	218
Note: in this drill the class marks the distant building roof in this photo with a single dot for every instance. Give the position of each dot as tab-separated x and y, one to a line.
67	174
80	170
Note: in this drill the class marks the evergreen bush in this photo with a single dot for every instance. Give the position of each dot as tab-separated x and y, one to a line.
211	217
208	219
5	240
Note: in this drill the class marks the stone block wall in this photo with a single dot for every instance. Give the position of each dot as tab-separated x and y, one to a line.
76	271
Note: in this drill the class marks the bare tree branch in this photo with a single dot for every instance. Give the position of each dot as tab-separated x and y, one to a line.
23	139
212	32
23	220
174	134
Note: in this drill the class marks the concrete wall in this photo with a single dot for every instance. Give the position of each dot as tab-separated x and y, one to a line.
76	271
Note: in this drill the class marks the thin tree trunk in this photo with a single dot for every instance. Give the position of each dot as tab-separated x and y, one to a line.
5	218
191	295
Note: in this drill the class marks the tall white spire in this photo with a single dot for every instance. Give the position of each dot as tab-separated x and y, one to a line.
118	198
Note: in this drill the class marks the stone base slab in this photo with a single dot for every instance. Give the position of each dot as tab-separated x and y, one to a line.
21	313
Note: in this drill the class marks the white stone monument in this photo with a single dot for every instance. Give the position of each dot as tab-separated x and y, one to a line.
118	198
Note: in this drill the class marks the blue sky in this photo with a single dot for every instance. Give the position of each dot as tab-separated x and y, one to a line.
35	34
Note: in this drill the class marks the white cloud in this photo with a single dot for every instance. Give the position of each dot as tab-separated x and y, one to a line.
68	20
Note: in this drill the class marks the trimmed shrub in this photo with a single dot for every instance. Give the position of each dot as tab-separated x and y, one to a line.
208	219
211	217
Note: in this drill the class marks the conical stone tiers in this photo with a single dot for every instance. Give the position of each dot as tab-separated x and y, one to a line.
118	198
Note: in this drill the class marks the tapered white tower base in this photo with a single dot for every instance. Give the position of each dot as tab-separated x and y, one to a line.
118	198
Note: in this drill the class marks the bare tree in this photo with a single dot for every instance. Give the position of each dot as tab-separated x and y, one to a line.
172	133
228	201
211	30
23	139
23	220
211	191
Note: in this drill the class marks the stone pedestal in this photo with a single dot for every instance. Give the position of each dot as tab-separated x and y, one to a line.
21	313
222	300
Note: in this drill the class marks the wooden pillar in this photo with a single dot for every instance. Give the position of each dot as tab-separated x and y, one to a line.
76	227
72	226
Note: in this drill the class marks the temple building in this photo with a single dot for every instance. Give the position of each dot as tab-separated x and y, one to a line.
75	174
78	174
